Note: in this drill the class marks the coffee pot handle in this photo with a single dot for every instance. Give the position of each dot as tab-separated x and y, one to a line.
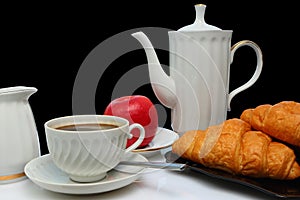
257	72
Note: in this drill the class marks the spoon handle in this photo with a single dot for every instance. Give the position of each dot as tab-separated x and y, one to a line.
160	165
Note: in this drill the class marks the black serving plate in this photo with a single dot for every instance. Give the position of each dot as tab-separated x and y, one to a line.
277	188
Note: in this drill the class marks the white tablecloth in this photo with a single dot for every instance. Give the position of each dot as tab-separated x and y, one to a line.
157	184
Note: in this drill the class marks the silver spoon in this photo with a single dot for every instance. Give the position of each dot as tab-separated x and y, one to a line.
159	165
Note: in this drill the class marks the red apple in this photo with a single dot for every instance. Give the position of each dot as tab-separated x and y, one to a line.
136	109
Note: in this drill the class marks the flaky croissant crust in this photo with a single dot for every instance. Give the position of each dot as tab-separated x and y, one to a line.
281	121
238	150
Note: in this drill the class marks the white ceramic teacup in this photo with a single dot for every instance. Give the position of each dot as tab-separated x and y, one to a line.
88	152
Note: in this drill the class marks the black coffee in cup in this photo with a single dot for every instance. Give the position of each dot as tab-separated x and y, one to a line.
86	127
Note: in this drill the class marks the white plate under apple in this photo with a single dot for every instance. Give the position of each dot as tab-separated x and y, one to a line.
163	138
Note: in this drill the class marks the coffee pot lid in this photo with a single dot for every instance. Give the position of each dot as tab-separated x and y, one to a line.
199	24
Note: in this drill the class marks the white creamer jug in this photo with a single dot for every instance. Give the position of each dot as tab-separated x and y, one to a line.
197	90
19	141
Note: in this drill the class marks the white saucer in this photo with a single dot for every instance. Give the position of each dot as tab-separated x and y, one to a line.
43	172
162	139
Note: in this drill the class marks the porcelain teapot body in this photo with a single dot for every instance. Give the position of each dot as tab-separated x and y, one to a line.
18	134
197	90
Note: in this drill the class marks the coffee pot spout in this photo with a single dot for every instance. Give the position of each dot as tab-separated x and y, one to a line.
162	84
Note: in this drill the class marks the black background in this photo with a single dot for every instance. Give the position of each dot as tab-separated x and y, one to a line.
44	45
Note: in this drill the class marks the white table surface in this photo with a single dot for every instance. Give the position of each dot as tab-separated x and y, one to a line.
156	184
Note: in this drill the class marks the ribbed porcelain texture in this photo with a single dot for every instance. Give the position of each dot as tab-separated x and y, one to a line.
18	134
197	90
200	63
86	155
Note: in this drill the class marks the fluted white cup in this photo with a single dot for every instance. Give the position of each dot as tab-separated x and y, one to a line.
87	156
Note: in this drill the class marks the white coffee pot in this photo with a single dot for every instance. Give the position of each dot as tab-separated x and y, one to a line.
197	90
18	133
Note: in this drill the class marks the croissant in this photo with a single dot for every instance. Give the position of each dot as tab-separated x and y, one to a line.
233	147
281	121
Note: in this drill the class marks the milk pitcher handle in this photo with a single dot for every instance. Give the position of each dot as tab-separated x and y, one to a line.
257	72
